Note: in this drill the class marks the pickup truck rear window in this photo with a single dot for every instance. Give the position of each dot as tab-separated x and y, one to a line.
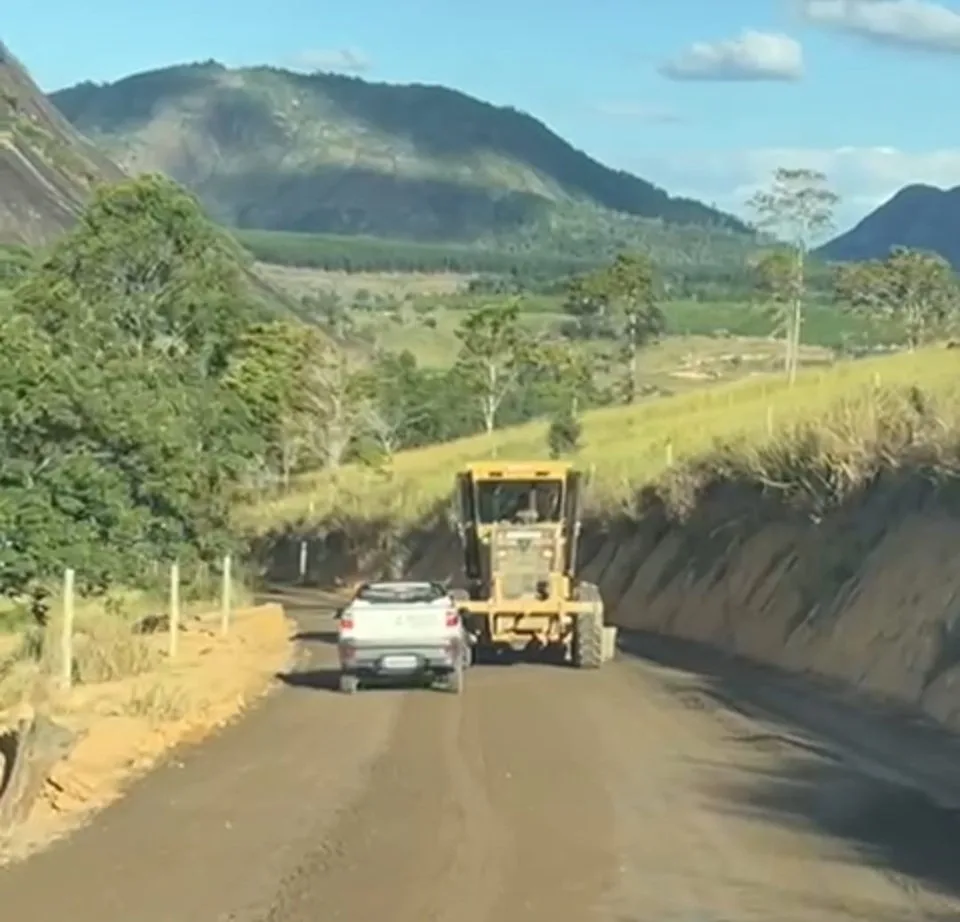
405	595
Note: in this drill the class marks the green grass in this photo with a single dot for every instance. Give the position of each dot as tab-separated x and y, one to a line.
824	325
628	448
436	344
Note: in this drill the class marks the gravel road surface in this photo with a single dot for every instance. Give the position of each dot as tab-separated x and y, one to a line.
542	794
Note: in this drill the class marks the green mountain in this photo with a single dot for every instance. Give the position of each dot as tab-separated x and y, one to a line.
269	149
47	169
920	217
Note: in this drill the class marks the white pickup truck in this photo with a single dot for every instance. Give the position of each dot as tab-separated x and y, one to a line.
402	630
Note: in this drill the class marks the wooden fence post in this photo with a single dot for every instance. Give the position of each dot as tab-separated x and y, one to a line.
303	561
174	609
66	630
225	595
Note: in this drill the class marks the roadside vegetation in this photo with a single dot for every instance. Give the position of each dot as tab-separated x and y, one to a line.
153	401
829	431
816	429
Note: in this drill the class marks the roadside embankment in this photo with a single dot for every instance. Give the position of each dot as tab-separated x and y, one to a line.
65	754
828	549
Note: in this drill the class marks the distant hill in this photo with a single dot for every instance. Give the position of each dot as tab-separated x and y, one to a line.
920	217
270	149
47	169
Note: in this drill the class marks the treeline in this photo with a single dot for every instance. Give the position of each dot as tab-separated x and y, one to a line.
370	254
144	386
726	275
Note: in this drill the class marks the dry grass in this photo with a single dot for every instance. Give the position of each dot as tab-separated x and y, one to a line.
109	643
629	448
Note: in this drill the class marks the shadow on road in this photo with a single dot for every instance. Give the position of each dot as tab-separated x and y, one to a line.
317	679
324	637
880	779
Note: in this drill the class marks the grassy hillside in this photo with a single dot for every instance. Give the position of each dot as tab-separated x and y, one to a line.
829	423
919	217
47	170
270	149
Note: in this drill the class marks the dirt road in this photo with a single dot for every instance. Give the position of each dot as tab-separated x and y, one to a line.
540	795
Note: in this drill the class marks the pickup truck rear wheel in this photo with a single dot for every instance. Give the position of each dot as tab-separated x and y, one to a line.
453	680
349	684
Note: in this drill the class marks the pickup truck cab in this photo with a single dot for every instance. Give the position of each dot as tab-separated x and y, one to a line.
400	629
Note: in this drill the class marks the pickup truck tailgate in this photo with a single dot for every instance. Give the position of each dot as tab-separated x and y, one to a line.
397	624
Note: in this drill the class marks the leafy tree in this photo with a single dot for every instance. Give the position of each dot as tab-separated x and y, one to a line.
632	284
566	375
495	350
146	270
563	436
796	208
587	302
779	284
620	301
397	405
335	404
122	441
268	371
918	290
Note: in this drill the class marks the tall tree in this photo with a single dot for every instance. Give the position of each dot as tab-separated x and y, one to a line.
797	208
778	282
495	350
397	405
121	441
268	371
145	271
632	284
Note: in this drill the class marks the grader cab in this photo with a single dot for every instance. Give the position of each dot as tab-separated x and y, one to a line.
519	525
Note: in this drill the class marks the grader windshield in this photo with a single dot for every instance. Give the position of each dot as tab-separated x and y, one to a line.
519	502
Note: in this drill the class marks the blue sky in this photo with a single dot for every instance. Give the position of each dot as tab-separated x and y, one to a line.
705	97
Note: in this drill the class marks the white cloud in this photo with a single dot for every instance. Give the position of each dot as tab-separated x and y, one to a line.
638	111
342	60
864	177
908	23
752	56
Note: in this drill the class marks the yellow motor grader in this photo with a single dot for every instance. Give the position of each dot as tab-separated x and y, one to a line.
519	525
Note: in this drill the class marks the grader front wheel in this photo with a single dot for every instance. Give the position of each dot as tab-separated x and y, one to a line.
588	641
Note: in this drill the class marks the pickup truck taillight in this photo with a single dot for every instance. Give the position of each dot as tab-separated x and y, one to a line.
453	618
345	623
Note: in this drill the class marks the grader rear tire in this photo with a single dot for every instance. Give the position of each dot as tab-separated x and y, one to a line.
588	641
588	633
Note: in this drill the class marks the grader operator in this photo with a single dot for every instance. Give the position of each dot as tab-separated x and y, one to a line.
519	525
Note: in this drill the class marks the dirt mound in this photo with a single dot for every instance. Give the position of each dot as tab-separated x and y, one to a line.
865	594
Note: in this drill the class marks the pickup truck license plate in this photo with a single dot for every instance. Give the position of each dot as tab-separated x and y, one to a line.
405	661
